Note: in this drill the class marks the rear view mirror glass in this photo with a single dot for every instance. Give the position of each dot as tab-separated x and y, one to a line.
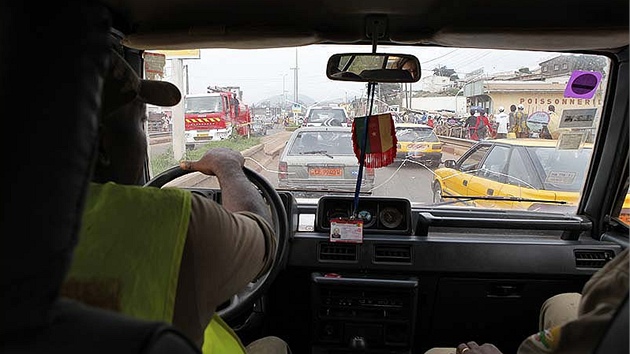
369	67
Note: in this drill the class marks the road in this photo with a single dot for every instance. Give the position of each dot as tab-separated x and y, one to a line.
410	180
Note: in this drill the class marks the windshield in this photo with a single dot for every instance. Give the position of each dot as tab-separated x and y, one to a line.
204	104
478	123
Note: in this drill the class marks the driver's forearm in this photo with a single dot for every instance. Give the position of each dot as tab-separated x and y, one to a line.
239	194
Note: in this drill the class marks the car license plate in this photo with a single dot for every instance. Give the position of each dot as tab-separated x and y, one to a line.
417	147
204	134
325	172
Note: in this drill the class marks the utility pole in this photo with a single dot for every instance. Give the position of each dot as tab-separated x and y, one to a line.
284	91
295	81
178	139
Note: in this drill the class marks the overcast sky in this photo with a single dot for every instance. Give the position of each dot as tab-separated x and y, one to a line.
262	73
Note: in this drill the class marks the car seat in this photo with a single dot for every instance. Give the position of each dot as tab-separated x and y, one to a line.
60	51
615	339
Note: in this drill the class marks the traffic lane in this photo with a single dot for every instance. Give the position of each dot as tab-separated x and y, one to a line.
404	179
409	180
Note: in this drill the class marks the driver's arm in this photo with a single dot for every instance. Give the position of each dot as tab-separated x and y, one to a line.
227	246
224	251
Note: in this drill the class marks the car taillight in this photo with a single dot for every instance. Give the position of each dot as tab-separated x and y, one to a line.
282	170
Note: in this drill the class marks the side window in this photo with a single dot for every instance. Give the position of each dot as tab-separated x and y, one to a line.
517	172
493	166
225	103
471	162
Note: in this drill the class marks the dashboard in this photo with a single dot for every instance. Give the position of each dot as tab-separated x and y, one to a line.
379	215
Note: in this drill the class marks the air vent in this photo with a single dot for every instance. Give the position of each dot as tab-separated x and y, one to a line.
592	258
392	254
338	252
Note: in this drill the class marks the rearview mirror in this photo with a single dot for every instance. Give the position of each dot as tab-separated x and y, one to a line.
369	67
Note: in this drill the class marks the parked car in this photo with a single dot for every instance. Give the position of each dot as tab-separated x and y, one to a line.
529	174
418	142
322	159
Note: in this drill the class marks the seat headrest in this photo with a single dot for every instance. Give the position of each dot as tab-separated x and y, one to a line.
58	52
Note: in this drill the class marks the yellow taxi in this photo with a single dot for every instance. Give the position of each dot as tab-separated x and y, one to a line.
418	142
531	174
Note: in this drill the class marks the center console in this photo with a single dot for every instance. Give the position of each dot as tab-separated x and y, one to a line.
356	314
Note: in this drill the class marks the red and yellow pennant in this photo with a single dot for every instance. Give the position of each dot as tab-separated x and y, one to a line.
380	149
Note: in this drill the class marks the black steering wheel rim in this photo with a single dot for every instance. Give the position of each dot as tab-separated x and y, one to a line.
240	303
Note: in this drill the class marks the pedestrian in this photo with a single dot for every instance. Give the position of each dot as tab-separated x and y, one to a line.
484	128
554	122
471	125
520	122
512	119
503	123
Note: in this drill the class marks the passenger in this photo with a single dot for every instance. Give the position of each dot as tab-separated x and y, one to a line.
189	254
408	64
570	322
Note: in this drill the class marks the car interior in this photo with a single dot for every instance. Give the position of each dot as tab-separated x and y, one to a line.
423	276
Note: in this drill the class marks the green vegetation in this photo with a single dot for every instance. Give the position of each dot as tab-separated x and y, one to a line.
166	160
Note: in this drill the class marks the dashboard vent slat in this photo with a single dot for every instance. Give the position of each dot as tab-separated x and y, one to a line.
592	258
399	254
338	252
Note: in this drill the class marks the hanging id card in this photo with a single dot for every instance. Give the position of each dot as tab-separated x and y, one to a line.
346	230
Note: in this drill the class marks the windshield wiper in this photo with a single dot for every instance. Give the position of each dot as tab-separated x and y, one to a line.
462	198
317	152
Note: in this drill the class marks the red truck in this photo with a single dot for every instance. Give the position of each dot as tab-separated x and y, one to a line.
214	116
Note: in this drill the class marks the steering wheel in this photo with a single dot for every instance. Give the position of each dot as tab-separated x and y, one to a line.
241	302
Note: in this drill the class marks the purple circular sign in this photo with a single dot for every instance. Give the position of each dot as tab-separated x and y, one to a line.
584	84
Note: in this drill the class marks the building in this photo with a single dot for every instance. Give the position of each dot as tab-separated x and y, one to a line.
434	83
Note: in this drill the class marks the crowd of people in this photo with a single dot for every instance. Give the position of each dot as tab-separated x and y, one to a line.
481	124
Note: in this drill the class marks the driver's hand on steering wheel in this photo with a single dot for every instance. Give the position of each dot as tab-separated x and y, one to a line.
218	162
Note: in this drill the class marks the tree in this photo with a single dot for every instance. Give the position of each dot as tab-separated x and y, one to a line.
524	70
443	71
390	93
590	63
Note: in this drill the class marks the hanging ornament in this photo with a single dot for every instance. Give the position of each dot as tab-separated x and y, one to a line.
380	149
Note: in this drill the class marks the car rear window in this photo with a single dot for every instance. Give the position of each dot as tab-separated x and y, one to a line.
413	134
333	143
322	115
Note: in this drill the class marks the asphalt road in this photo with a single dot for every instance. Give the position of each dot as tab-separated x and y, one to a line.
410	180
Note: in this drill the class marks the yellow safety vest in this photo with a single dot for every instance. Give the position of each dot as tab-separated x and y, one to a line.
132	265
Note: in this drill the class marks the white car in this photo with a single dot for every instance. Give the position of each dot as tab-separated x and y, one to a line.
321	159
326	116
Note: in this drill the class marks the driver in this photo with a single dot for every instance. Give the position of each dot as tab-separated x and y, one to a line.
167	254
